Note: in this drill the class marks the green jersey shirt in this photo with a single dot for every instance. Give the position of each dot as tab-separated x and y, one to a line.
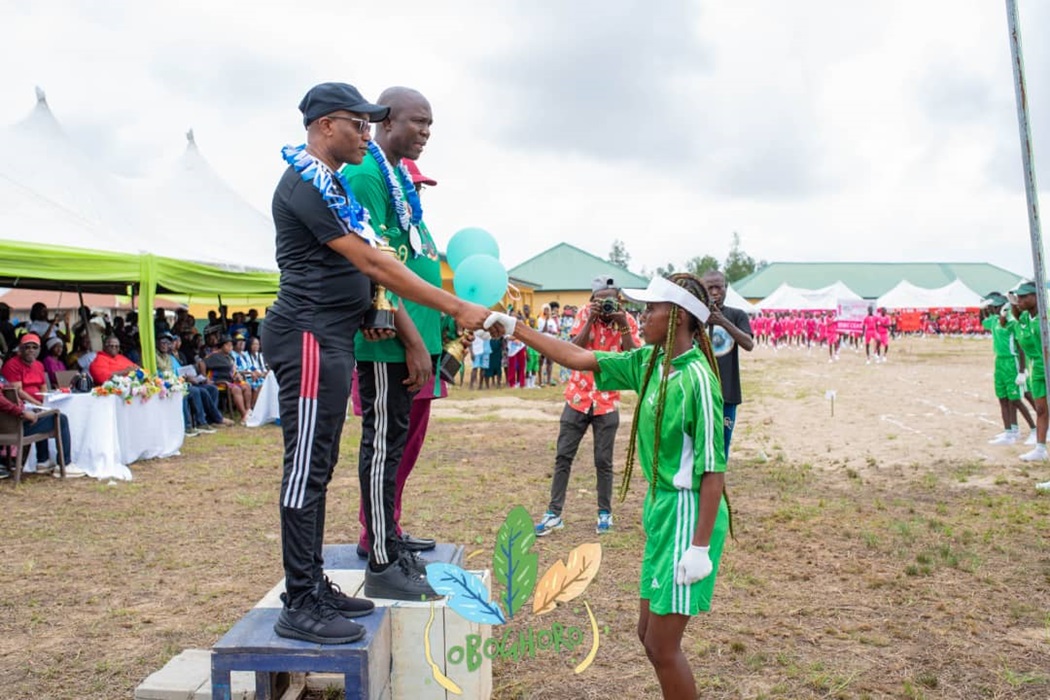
1026	332
1002	337
691	437
370	188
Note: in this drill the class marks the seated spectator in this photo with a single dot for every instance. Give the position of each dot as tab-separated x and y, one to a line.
54	360
37	425
255	357
8	341
93	326
82	357
160	322
252	323
46	328
200	407
254	378
25	372
238	326
222	370
27	376
110	362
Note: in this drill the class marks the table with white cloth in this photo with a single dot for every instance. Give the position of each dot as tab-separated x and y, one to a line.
107	434
267	408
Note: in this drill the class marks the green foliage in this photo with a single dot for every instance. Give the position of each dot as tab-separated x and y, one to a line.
619	255
700	265
738	263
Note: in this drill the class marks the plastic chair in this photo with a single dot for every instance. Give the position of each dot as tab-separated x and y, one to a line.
12	434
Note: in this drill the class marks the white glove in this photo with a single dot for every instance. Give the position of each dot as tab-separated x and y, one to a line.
695	565
506	321
1022	379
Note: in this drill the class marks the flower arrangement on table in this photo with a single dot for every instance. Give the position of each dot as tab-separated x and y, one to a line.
142	385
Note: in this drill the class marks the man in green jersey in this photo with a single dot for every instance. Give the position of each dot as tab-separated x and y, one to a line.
1026	332
1007	389
391	371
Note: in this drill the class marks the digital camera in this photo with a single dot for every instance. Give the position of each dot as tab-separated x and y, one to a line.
609	307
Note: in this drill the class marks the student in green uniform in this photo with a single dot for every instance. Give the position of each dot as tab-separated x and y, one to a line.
994	312
677	430
1025	328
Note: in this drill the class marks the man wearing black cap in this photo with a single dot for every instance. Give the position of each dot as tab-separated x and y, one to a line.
601	325
327	259
396	375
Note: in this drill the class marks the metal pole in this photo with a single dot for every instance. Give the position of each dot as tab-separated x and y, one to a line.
1028	164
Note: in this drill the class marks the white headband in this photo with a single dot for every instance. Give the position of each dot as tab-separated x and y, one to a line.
661	289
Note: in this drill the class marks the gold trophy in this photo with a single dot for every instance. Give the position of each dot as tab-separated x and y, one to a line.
452	359
381	316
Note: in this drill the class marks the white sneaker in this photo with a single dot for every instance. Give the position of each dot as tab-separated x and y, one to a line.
1037	455
72	472
1030	440
1044	486
1004	439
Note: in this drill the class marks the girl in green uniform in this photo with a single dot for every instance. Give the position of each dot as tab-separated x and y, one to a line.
1025	328
677	434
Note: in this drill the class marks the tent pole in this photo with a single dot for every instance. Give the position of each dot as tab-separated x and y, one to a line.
1028	165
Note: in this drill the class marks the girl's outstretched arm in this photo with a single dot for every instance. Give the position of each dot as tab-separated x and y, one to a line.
564	353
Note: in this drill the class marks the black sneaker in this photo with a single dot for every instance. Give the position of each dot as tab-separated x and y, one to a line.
417	544
399	581
316	621
346	605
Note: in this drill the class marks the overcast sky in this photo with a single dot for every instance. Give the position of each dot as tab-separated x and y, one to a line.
817	129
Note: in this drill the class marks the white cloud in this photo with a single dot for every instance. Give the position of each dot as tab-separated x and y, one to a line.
816	129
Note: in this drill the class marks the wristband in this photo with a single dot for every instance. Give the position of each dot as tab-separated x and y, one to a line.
624	330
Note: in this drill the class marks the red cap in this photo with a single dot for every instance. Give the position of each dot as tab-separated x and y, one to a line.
417	177
30	338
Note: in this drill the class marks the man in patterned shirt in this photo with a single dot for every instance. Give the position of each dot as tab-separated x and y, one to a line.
602	325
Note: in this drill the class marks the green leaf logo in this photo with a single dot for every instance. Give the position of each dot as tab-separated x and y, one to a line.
514	565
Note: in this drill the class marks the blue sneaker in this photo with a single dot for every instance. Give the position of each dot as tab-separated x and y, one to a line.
550	522
604	523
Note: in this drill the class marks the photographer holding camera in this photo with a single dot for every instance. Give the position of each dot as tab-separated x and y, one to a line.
601	325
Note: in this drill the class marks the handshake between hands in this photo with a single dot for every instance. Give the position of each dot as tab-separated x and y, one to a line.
506	323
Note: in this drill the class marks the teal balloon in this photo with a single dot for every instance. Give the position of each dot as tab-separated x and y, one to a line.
480	279
470	241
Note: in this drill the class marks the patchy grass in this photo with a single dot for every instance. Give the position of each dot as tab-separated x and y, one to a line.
864	572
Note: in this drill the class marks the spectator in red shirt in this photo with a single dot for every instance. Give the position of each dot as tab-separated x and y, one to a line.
25	372
110	362
37	425
602	325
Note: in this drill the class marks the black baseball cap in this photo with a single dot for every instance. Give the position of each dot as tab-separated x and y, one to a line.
331	97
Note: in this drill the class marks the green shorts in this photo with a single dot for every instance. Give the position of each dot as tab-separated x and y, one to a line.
1006	379
670	520
1037	380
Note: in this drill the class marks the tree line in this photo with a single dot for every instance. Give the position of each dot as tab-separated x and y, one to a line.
736	266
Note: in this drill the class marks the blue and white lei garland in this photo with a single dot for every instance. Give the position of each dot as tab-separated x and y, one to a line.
410	216
349	211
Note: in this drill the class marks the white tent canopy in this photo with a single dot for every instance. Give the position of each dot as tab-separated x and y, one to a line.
906	295
734	300
52	193
788	298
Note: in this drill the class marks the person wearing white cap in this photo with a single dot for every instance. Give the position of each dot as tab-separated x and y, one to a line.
677	429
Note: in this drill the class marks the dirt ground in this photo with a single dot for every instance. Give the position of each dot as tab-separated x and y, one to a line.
885	551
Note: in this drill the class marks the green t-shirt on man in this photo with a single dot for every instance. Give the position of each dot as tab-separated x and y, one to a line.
370	188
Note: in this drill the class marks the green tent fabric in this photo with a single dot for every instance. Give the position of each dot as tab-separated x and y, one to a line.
36	266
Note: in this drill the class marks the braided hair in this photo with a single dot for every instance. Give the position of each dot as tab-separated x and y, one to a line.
693	285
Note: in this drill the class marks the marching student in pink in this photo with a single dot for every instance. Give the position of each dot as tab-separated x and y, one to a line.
831	335
871	334
882	324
